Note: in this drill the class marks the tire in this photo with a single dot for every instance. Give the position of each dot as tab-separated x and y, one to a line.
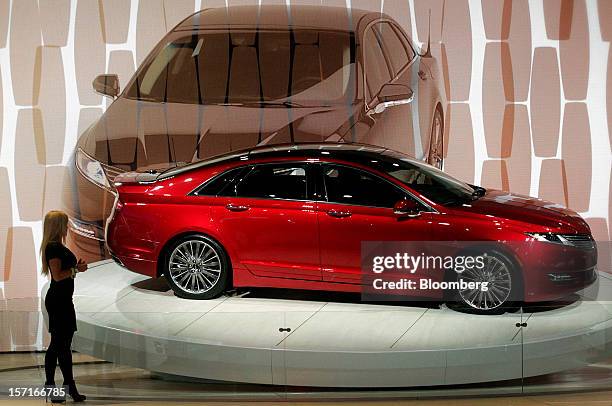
435	155
200	268
504	292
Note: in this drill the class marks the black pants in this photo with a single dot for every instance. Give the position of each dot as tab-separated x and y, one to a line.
59	350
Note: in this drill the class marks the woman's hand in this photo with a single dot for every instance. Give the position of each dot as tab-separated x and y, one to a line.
81	265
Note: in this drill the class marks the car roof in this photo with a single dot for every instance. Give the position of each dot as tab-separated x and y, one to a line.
279	16
354	152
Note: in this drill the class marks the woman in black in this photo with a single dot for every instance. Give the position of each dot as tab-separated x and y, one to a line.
61	264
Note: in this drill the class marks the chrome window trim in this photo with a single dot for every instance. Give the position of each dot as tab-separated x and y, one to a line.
322	199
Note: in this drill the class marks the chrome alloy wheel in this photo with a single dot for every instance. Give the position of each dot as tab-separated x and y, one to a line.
499	277
195	266
436	150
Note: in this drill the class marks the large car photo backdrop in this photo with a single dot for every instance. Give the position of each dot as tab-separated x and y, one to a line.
526	107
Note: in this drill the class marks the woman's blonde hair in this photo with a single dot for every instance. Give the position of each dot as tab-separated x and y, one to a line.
55	228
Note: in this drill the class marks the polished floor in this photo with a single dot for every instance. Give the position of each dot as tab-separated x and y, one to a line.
105	383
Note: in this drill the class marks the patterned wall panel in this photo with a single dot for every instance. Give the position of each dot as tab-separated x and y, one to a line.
516	133
609	97
527	82
576	147
5	6
460	156
54	21
89	50
558	14
29	164
496	16
19	291
495	174
574	52
457	50
6	221
518	72
52	102
25	37
116	17
545	101
1	107
495	92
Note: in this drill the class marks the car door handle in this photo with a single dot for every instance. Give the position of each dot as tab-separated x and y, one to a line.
339	213
422	75
234	207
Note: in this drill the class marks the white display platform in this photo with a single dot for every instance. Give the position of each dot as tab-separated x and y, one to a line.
129	319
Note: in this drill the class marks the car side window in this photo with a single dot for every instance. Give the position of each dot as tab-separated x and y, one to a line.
377	72
354	186
274	181
217	185
399	53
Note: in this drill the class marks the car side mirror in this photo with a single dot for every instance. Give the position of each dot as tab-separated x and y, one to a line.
391	95
106	85
407	208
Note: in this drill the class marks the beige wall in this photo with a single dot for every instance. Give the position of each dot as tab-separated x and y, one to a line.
528	84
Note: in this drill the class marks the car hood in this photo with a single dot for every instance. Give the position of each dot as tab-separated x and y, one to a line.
527	209
140	135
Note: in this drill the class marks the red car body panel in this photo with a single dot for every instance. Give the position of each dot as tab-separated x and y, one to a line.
296	244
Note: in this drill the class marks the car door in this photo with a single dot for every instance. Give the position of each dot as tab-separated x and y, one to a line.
357	206
269	220
391	63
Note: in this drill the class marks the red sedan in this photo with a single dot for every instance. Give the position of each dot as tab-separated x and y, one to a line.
295	216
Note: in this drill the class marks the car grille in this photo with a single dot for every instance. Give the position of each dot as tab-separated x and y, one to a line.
584	241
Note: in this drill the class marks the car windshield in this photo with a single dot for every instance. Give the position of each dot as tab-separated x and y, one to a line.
427	180
285	68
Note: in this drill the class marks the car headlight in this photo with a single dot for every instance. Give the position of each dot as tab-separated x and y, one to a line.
91	169
580	241
548	237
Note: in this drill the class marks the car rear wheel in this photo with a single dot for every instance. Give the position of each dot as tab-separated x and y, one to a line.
435	156
196	267
503	286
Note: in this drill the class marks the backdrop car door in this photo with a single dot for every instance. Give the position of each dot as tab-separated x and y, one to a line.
271	222
359	207
391	66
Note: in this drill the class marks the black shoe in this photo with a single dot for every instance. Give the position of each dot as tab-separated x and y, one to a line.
50	388
74	393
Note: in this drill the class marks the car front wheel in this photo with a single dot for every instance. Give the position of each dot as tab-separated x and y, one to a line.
196	267
503	286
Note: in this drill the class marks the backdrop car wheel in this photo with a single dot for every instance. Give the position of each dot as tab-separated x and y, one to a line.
435	155
196	267
503	291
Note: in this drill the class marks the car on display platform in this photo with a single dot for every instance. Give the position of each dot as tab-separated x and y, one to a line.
228	79
295	216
